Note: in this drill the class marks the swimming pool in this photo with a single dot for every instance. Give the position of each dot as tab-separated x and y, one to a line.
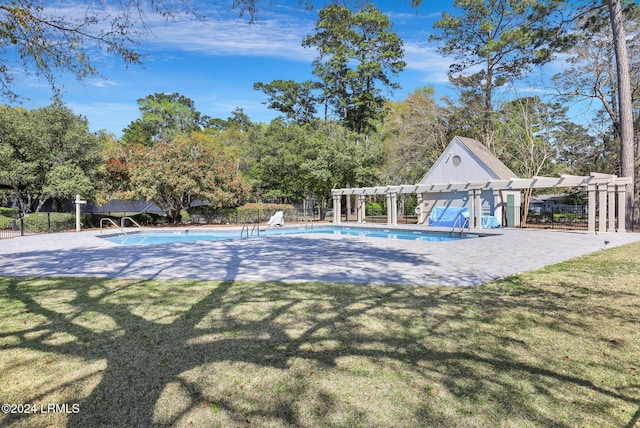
194	235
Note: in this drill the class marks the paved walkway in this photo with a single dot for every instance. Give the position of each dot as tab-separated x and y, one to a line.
304	258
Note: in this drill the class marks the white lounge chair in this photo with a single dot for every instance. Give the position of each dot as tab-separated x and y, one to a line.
277	219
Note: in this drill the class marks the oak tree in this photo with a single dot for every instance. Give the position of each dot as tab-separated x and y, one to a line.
47	153
175	174
414	135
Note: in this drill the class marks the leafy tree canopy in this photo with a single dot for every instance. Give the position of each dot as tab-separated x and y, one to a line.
295	100
294	161
47	153
414	135
175	174
164	117
358	53
493	42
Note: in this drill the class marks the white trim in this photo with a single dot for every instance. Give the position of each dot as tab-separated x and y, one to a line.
511	184
594	183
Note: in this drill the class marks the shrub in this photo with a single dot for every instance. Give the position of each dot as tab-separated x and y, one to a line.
373	208
248	213
252	213
147	219
48	222
9	212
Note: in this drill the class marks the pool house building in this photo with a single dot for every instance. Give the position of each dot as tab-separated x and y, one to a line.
470	187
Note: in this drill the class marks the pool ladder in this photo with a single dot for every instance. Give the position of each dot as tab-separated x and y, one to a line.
308	224
255	228
121	226
102	220
456	224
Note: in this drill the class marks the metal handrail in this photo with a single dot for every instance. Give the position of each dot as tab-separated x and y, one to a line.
146	232
256	226
112	222
455	223
308	223
130	219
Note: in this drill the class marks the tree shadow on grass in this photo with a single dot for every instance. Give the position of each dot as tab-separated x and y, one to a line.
319	354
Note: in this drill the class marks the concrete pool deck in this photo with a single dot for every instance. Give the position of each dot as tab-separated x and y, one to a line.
320	257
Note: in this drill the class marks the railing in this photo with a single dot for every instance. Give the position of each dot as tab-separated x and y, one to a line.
256	227
382	218
146	232
112	222
11	227
577	220
131	220
308	224
456	224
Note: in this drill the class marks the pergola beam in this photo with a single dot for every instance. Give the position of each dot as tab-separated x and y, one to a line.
606	185
510	184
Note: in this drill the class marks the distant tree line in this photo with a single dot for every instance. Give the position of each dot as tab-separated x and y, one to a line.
341	129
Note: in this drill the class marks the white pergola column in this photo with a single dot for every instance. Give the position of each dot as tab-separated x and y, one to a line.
472	209
622	207
599	187
499	208
422	203
392	209
394	198
591	189
478	205
602	207
337	214
360	208
611	213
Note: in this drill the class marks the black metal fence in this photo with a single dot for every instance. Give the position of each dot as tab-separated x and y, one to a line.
240	216
10	227
559	219
13	225
18	225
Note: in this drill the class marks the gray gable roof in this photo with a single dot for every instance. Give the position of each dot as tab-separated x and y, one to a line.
501	171
478	164
129	207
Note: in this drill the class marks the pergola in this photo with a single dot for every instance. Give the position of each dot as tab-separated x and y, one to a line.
605	193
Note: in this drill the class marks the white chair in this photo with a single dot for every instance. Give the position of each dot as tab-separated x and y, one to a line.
277	219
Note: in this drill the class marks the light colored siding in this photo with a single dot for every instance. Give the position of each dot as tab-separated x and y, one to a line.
470	168
476	164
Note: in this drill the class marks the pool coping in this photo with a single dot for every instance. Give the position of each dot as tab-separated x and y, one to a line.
369	226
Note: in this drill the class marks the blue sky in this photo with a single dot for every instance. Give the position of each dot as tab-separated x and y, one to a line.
215	62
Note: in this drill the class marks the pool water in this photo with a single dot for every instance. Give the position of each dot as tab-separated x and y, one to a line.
166	237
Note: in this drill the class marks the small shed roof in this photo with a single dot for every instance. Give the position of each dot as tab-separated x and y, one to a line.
478	164
129	207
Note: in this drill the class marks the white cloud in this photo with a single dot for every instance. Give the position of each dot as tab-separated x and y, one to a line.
221	33
102	83
277	38
427	60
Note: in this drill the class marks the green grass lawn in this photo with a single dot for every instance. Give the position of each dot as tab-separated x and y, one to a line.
554	347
